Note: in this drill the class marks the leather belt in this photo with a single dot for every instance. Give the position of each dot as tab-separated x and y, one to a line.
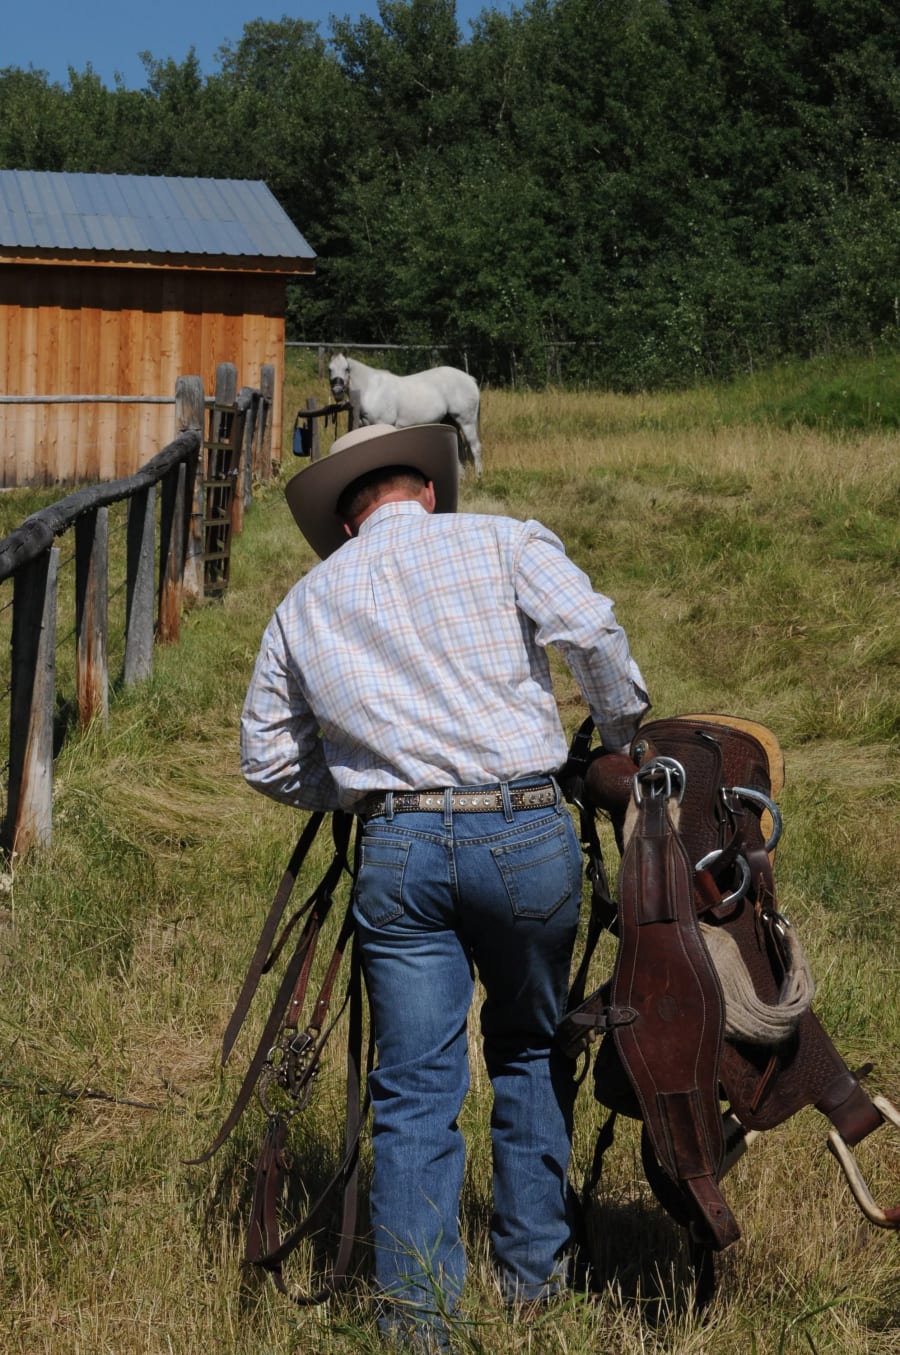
463	800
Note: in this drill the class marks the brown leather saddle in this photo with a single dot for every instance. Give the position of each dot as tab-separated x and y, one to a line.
708	1033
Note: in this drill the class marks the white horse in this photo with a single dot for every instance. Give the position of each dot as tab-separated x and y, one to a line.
440	395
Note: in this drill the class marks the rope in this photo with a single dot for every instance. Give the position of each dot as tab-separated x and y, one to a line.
746	1017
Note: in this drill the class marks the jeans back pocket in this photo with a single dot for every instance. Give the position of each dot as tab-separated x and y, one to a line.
541	872
379	885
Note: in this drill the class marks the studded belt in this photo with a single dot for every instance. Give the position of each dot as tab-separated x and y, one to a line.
462	800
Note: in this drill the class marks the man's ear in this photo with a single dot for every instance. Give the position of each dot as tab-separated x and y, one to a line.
348	530
428	498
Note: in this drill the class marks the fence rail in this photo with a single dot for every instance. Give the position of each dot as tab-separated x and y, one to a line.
87	399
432	349
502	362
183	508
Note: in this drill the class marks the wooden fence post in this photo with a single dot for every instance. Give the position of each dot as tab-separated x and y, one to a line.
190	412
29	810
139	583
250	398
171	554
92	615
315	442
267	455
238	471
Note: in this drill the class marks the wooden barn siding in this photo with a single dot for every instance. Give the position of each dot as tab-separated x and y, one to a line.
114	331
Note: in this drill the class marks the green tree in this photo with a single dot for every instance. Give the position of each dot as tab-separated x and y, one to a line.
32	121
406	70
290	119
668	187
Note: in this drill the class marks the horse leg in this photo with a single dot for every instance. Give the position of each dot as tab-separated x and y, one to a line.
462	447
468	431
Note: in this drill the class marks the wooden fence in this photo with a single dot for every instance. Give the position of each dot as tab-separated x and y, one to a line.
432	350
177	547
306	439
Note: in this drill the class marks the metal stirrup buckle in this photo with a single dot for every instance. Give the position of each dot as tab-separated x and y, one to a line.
706	861
765	802
660	778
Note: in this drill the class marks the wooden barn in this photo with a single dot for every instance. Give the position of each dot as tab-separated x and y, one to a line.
111	287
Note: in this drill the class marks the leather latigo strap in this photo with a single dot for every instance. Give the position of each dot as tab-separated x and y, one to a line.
671	1050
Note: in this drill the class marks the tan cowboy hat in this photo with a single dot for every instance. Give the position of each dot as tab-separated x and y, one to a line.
312	496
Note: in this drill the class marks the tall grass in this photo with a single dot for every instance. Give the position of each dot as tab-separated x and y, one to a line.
753	562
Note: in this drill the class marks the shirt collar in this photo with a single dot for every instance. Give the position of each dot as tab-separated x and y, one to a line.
397	507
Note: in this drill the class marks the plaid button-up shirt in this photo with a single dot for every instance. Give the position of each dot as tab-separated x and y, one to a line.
413	657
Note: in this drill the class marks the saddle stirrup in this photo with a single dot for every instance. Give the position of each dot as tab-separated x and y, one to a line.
882	1218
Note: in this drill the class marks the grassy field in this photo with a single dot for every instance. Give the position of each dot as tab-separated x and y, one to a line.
749	536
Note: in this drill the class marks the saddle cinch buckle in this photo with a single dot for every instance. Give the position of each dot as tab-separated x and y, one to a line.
882	1218
660	778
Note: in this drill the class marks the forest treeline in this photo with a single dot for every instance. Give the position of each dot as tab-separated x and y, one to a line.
638	192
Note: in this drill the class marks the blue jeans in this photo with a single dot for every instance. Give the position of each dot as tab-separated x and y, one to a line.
440	896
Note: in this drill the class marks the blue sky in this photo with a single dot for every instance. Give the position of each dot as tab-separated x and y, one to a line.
52	35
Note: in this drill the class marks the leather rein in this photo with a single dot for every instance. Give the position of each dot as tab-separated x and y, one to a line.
287	1059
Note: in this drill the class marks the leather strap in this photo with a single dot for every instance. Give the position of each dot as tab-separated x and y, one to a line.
463	799
265	1246
318	906
671	1050
267	935
300	1058
602	916
267	1190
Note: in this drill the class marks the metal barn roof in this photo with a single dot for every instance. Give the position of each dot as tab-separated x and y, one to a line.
142	213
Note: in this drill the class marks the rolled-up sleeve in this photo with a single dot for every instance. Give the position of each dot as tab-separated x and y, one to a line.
580	623
281	747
